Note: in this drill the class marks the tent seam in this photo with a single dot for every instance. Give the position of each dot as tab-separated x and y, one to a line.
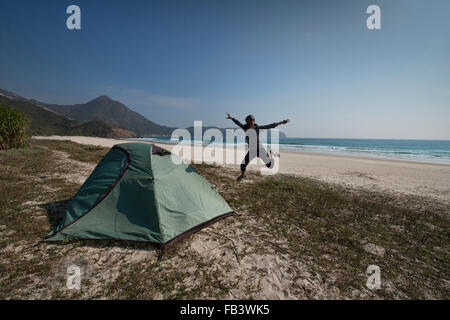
103	197
156	199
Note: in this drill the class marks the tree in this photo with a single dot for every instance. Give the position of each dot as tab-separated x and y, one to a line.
13	125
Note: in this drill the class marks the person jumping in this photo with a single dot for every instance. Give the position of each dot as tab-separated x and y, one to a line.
255	149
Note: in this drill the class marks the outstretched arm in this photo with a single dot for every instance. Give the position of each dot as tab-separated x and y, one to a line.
274	125
235	121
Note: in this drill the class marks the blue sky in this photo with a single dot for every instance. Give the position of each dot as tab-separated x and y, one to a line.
314	62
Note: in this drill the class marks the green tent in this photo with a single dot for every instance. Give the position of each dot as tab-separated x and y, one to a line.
137	192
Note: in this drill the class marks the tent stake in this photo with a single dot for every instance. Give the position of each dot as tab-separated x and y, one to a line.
161	253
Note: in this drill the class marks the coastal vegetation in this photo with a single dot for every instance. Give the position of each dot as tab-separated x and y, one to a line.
13	128
292	237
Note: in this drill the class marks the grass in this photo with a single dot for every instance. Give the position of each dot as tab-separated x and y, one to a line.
79	152
27	178
339	221
321	233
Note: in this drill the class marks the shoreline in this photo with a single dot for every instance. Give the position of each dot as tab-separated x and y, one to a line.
340	151
378	174
370	156
106	142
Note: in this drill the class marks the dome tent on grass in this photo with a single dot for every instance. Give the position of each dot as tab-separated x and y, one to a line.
138	193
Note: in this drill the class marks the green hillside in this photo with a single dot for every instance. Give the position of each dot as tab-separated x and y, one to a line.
46	122
112	111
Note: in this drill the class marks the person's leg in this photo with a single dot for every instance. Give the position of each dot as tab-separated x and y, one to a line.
265	157
244	165
245	162
251	154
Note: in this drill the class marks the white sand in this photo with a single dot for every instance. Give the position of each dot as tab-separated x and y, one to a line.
407	177
268	275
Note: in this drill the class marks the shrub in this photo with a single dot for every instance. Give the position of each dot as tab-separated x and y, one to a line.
13	125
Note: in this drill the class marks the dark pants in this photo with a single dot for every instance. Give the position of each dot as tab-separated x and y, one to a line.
260	152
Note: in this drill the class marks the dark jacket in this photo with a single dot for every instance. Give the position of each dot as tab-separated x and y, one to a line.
246	127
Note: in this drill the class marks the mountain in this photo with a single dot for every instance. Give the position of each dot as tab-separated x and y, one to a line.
10	95
103	109
46	122
115	112
112	111
99	128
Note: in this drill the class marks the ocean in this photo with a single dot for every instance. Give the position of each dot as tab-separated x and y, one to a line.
435	151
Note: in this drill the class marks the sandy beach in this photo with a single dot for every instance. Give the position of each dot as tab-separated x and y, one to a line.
394	176
292	237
